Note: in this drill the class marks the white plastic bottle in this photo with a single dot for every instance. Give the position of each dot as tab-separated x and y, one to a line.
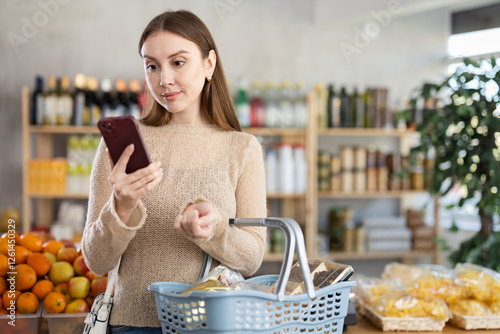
300	106
300	168
271	171
286	169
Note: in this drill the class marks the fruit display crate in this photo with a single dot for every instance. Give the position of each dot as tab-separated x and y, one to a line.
23	323
64	323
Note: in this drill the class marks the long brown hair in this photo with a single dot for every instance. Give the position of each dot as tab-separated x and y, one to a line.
216	100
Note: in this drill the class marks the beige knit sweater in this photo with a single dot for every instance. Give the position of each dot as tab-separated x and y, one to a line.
200	163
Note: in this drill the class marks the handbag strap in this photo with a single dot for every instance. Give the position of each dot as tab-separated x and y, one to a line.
112	274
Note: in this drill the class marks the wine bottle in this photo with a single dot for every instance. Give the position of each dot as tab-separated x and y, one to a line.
333	108
134	91
242	104
300	106
120	104
106	100
359	109
345	116
92	112
79	99
271	104
370	109
256	106
50	99
37	102
285	106
64	101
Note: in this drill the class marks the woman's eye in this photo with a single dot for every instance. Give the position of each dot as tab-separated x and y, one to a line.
151	67
179	63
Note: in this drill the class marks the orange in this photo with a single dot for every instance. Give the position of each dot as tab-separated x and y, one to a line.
27	303
39	262
4	265
25	277
16	237
4	246
3	285
54	302
31	242
21	255
9	295
52	246
42	288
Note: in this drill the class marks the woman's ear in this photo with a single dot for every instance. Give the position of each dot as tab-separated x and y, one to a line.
210	63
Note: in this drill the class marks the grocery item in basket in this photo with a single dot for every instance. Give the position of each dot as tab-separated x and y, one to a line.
210	285
445	288
219	278
369	289
470	307
484	283
402	304
323	273
252	286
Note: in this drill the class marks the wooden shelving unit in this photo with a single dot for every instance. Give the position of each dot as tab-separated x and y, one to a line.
38	142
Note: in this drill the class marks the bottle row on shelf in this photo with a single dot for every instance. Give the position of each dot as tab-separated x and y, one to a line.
270	105
341	109
86	102
361	169
70	175
257	105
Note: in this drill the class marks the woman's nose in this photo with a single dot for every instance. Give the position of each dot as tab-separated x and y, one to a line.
167	78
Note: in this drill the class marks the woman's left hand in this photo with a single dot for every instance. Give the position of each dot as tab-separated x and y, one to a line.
197	221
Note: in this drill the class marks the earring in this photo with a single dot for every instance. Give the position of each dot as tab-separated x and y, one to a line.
209	78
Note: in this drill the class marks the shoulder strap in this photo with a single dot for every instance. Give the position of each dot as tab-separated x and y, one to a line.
112	274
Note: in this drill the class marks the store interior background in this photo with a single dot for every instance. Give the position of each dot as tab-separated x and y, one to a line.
261	40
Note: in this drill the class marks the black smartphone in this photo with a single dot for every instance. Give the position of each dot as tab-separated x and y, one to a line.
118	133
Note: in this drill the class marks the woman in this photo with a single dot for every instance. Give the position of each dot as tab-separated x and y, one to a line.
163	220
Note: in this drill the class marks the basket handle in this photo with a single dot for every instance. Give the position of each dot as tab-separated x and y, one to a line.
293	237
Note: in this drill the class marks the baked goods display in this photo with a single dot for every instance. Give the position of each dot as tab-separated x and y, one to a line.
462	295
403	304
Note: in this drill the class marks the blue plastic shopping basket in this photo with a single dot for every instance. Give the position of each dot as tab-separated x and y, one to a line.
246	311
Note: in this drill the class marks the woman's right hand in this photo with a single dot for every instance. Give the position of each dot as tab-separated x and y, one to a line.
128	188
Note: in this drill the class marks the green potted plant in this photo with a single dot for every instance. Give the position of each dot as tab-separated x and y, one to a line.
460	122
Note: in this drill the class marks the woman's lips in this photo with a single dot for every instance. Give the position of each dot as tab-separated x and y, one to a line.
170	96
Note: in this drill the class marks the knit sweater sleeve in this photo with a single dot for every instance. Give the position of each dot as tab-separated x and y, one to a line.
105	236
242	248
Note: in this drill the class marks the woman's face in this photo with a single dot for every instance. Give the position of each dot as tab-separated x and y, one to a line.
176	72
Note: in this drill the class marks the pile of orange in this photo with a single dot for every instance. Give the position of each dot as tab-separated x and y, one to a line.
32	286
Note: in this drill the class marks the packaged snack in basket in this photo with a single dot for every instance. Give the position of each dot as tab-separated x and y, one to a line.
218	279
483	283
445	288
252	286
323	273
403	304
470	307
369	289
